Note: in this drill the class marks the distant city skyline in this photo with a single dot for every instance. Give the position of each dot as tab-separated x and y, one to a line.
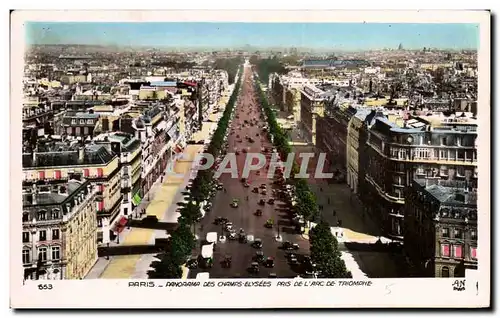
219	35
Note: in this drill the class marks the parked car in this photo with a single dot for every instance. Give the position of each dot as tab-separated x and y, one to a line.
258	212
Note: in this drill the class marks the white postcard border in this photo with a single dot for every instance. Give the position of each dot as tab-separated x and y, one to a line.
403	292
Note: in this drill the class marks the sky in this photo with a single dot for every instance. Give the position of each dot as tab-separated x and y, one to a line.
340	36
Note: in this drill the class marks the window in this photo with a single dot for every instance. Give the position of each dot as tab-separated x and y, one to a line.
26	217
445	250
90	121
82	121
99	172
55	214
73	121
56	253
460	171
42	235
444	171
26	237
457	233
26	256
473	235
445	272
457	251
55	234
473	252
42	216
445	232
42	254
443	141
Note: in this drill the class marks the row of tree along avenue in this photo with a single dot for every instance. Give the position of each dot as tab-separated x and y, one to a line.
183	240
324	246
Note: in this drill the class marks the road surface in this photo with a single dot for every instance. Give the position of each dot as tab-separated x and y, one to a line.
243	216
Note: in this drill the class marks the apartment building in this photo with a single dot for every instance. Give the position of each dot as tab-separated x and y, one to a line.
128	149
440	236
312	104
433	147
59	230
55	161
332	136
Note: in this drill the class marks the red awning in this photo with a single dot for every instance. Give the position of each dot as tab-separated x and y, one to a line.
120	225
123	221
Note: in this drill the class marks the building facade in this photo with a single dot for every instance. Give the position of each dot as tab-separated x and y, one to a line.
128	149
311	107
441	227
292	103
59	163
396	155
59	230
332	136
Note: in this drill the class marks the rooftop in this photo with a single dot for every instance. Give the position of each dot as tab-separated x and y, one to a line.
64	154
449	192
51	195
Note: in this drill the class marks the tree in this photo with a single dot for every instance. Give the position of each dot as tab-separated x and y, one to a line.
325	252
167	267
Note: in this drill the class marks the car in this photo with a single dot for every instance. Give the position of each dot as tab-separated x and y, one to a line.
293	261
232	235
220	220
258	212
243	180
254	268
289	246
244	150
263	192
220	186
263	186
242	238
270	201
255	190
269	262
236	152
251	140
257	243
228	226
259	256
269	223
192	263
234	204
246	184
226	263
290	255
262	202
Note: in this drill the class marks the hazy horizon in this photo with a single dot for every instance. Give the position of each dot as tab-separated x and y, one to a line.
333	36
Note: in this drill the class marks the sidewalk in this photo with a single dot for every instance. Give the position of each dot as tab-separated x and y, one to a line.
163	196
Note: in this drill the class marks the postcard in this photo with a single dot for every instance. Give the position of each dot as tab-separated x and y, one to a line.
250	159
